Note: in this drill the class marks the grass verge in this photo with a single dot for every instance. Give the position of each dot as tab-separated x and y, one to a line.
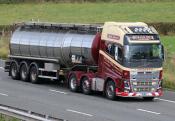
7	118
88	12
169	64
4	46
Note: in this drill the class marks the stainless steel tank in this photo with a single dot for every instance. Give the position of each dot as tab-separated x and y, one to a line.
44	43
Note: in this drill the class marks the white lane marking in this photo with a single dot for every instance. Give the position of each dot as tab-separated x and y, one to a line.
2	68
148	111
74	111
3	94
58	91
170	101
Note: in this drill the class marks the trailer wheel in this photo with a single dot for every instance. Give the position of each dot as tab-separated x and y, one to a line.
73	83
14	71
85	86
34	74
24	72
148	98
110	90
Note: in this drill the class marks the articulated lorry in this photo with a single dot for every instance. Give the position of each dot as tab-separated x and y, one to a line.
118	59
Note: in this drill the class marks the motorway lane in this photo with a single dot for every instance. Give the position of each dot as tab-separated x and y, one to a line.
55	100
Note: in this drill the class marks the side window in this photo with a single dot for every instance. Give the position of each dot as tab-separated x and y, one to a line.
111	49
118	54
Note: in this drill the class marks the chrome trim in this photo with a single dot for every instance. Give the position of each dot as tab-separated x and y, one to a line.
144	81
34	58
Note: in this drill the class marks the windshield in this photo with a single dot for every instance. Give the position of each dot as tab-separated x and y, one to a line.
143	56
147	51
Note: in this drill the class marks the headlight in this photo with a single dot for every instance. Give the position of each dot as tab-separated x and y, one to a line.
154	83
152	89
134	83
126	83
135	89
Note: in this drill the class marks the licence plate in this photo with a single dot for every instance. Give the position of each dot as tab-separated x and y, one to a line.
143	93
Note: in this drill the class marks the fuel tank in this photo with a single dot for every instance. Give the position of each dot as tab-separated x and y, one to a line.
60	42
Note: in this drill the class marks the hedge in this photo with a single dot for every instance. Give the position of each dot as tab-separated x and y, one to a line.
162	27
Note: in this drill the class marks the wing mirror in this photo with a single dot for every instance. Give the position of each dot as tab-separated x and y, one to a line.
162	53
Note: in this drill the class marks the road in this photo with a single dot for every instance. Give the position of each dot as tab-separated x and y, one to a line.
52	99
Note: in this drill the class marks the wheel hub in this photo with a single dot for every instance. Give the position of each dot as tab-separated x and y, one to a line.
110	90
33	75
86	85
73	83
14	71
24	73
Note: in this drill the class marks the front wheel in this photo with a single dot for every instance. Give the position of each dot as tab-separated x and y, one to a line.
110	90
85	86
73	86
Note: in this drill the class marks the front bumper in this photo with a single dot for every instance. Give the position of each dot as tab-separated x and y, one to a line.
139	94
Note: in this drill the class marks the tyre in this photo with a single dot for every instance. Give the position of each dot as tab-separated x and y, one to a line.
86	86
24	73
73	86
14	71
148	98
110	90
34	75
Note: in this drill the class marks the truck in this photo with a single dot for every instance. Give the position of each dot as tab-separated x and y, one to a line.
120	59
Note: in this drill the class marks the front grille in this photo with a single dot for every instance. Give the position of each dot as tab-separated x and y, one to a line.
146	89
144	81
144	75
141	83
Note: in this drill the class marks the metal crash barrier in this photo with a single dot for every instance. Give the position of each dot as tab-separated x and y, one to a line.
26	115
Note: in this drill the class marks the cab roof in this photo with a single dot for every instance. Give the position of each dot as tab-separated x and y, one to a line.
115	31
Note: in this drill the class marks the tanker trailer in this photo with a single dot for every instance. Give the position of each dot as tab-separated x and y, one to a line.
119	59
51	47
